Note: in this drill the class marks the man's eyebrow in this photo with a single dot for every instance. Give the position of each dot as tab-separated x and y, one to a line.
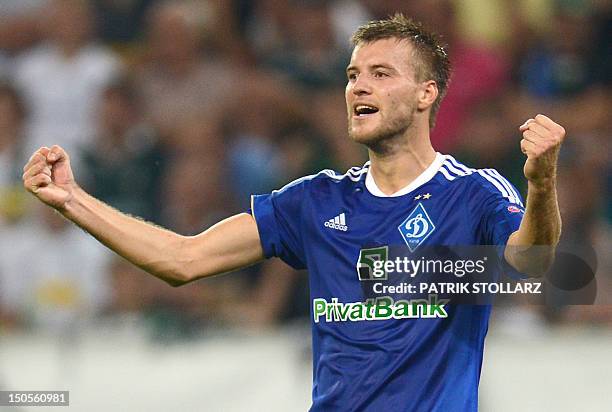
381	66
372	67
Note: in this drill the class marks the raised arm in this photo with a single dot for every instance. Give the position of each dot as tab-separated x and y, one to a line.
230	244
531	249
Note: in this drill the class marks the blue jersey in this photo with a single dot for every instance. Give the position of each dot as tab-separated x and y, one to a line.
323	223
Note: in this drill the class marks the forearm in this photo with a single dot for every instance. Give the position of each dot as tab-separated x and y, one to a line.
152	248
230	244
531	249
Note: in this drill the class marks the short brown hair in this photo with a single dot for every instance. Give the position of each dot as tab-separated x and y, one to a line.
432	56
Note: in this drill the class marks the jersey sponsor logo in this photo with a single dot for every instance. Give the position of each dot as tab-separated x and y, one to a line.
416	228
514	209
381	308
366	265
337	223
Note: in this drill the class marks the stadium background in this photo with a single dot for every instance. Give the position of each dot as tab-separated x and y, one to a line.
177	110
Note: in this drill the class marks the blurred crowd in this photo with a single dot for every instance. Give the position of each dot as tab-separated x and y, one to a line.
176	111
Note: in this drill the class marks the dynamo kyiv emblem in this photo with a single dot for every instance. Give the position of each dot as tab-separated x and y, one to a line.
416	228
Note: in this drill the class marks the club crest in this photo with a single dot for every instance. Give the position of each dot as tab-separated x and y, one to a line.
416	227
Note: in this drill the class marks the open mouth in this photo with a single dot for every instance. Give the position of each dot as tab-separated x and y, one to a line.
362	110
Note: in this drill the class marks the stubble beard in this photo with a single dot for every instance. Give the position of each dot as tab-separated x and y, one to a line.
384	138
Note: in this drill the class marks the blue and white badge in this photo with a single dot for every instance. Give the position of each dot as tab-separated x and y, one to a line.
416	228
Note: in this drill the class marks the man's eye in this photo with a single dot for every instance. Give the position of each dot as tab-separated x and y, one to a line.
352	76
379	75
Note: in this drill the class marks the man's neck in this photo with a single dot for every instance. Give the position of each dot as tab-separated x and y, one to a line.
401	163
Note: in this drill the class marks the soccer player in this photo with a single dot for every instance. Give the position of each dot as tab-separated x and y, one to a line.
407	194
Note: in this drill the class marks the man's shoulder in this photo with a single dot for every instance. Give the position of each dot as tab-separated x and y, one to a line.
328	177
33	60
481	182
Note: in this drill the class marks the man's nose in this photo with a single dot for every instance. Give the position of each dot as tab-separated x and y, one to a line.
361	86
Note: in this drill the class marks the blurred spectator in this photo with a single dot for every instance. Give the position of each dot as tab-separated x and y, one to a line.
19	28
53	275
199	133
488	126
565	73
62	78
264	23
343	152
561	66
170	314
119	21
12	199
305	49
345	15
177	81
585	232
601	53
125	164
194	194
279	294
479	72
12	158
256	124
383	9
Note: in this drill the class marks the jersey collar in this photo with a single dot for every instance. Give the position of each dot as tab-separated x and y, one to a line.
423	178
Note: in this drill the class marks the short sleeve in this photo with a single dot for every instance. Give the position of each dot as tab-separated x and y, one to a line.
500	220
279	221
498	208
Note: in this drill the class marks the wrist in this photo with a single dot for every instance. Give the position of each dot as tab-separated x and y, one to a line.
541	185
75	194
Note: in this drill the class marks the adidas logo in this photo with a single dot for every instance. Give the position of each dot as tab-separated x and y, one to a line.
338	223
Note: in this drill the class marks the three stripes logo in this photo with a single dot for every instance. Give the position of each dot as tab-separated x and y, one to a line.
338	223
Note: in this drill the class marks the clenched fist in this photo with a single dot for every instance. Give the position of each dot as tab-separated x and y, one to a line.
541	142
49	177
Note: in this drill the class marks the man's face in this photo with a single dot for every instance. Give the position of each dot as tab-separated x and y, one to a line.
381	93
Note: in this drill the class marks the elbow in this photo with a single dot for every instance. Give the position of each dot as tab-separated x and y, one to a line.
172	277
179	277
535	265
185	267
175	283
175	269
537	269
533	261
187	262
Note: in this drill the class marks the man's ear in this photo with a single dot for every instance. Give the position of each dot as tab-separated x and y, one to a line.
427	94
